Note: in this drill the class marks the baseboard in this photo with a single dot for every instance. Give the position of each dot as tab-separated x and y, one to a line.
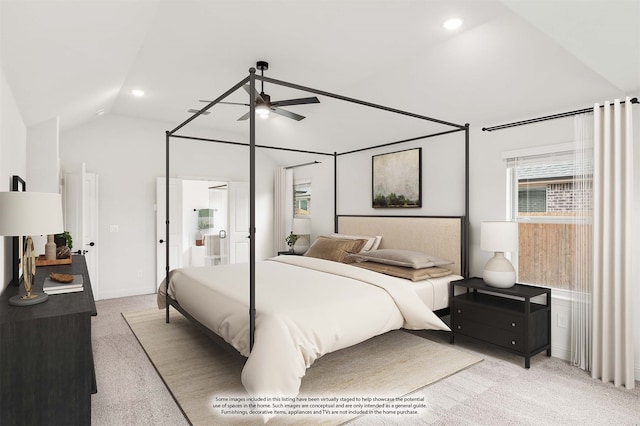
126	292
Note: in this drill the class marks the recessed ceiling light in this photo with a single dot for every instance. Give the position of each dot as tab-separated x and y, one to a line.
137	92
100	112
452	24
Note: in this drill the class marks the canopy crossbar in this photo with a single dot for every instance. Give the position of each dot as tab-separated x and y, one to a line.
251	79
277	148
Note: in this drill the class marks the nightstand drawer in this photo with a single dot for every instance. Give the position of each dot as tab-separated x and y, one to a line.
490	317
504	338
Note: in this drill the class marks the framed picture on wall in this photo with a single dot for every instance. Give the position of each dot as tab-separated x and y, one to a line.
17	184
397	179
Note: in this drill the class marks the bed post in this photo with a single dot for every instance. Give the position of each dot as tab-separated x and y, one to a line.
465	230
335	191
166	237
252	206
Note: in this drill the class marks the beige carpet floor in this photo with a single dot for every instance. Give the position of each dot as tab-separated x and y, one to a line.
196	370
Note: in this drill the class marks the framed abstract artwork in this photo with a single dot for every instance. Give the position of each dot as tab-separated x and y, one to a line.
397	179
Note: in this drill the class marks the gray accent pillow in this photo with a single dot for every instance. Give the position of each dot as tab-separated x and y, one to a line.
399	257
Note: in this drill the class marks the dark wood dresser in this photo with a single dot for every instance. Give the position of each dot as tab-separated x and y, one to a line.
47	373
505	317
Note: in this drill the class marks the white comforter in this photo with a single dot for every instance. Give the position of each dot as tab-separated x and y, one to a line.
305	308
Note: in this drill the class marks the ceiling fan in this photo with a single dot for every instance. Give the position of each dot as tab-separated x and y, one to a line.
264	105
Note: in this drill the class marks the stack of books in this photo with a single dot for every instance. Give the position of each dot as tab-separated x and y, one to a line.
54	287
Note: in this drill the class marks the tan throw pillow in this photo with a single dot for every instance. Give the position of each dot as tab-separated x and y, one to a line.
372	243
336	249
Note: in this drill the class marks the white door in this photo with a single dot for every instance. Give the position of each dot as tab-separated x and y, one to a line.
81	219
175	225
238	222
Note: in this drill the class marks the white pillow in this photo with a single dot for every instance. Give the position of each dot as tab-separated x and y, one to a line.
371	244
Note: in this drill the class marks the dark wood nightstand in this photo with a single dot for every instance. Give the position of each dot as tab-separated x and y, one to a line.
288	253
505	317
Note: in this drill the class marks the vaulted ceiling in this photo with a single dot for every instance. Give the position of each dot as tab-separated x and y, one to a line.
510	59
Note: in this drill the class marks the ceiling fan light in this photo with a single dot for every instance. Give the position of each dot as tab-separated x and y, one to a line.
262	111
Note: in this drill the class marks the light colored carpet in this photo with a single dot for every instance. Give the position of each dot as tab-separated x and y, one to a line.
196	370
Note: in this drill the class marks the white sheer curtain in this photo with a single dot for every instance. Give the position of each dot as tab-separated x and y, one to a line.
581	318
283	206
613	215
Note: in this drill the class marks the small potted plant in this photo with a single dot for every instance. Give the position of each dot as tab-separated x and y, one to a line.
291	241
63	239
64	244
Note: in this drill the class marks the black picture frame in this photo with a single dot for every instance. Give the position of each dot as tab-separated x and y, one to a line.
17	184
397	179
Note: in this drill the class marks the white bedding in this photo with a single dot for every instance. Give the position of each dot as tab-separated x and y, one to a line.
305	308
434	292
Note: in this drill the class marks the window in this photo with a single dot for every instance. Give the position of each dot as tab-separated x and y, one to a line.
550	197
302	198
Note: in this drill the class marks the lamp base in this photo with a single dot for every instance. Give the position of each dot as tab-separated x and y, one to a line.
499	272
32	299
499	279
300	248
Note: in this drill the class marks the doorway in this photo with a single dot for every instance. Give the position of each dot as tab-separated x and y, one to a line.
80	192
209	223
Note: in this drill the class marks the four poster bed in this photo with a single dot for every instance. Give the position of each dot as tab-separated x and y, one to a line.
330	298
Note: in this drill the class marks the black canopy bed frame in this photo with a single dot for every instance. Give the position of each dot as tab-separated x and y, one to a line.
251	80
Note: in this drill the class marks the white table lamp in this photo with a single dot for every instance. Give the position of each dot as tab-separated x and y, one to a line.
302	228
499	237
26	214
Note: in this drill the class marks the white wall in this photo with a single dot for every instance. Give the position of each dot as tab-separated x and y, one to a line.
128	154
13	161
44	157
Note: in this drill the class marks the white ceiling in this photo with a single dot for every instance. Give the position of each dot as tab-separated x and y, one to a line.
510	60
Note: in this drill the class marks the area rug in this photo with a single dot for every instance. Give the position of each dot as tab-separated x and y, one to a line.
204	379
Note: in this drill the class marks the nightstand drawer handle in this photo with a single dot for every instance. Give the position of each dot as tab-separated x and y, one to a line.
513	324
459	327
459	311
513	342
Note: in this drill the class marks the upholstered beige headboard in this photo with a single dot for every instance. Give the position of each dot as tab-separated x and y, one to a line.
439	236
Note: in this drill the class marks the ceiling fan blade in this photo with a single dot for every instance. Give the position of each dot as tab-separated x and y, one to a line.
258	97
244	117
287	114
227	103
193	111
300	101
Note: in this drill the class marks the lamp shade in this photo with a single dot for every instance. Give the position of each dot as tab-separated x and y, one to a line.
301	226
30	213
499	236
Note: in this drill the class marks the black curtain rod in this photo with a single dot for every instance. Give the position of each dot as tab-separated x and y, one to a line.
545	118
303	164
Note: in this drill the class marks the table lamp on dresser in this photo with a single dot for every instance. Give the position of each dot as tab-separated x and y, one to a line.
499	237
26	214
